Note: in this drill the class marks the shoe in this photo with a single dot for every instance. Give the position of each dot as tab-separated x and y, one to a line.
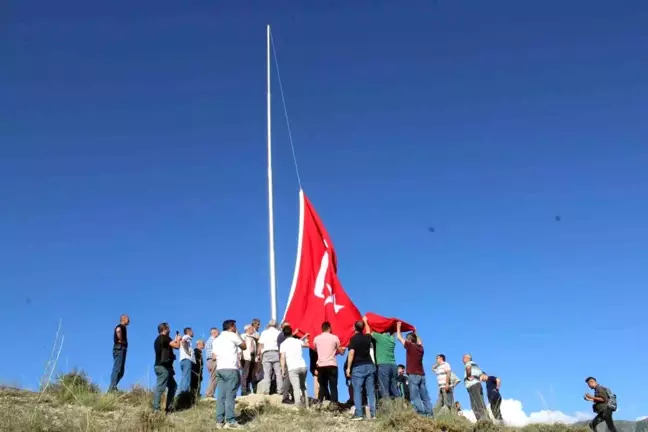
287	402
354	418
234	425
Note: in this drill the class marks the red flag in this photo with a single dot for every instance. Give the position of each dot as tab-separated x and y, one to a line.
381	324
316	294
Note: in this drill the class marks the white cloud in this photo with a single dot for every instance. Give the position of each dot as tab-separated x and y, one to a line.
514	415
642	418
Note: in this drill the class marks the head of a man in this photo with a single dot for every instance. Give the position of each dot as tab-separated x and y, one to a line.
287	331
285	324
412	338
272	324
591	382
188	331
359	326
326	327
467	358
200	344
164	328
213	332
440	359
457	406
401	369
256	324
229	326
124	320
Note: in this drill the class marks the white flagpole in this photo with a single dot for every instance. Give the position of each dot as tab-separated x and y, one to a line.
273	281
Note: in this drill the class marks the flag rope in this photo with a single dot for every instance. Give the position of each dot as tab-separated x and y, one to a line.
285	109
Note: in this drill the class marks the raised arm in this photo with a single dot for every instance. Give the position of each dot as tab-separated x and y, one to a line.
399	336
175	343
304	341
367	326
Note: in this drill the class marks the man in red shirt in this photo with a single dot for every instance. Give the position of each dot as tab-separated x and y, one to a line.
415	373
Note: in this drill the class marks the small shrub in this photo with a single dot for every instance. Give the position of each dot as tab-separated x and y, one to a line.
150	421
138	396
73	386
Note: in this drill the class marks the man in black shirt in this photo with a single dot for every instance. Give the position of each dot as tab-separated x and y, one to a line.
361	370
164	357
601	405
120	344
493	393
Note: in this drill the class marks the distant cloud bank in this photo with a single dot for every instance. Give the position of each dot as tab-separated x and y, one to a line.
514	415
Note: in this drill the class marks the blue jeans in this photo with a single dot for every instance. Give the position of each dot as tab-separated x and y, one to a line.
419	394
228	383
165	380
185	375
387	380
119	363
363	376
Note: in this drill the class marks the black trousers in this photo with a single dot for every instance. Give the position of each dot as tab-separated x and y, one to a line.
248	378
603	416
496	405
327	376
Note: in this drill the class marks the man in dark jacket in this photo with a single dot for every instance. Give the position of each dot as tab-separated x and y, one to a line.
403	384
601	406
196	371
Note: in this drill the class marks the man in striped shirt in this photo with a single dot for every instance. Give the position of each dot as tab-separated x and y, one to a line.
443	373
472	372
211	364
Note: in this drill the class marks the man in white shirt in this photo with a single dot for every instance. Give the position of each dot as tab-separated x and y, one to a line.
187	360
269	350
225	352
294	365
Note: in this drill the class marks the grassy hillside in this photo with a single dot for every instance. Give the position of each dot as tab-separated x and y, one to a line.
72	403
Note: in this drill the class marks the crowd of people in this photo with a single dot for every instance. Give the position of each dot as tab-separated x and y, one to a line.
272	362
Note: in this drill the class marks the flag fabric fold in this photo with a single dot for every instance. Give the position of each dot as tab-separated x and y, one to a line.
316	294
381	324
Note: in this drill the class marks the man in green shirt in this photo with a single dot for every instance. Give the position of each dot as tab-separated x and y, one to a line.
387	370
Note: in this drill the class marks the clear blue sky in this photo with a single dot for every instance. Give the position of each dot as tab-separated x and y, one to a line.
132	177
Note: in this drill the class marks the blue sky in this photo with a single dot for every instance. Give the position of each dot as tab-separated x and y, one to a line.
132	177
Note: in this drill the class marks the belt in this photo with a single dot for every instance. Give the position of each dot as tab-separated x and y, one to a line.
267	351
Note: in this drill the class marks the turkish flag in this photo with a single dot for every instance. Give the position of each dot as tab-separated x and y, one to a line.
316	294
381	324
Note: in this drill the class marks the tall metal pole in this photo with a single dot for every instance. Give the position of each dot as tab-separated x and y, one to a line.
273	281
